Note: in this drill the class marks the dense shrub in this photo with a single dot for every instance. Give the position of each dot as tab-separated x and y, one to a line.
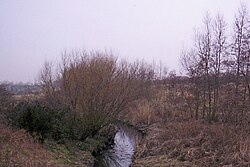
5	103
39	120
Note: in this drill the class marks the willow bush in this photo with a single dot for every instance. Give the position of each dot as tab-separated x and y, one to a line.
96	87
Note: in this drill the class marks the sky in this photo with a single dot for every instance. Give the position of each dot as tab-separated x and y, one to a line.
32	31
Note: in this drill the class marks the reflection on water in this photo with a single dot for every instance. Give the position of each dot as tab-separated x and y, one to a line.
120	155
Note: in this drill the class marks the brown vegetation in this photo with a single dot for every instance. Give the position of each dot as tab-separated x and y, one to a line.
18	149
95	88
194	143
202	119
219	70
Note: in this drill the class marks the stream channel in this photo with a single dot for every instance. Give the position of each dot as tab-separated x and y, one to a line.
121	152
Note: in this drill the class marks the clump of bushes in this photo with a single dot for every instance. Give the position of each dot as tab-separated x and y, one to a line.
40	120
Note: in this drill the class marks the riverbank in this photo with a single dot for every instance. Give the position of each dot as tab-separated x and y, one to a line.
19	148
193	143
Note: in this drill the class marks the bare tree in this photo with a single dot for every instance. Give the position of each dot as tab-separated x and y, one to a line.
240	51
219	49
191	63
47	78
203	64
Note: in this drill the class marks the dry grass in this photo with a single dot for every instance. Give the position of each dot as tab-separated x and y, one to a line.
148	111
193	143
18	149
140	113
175	139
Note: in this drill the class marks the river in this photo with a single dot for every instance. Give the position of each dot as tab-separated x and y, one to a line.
120	154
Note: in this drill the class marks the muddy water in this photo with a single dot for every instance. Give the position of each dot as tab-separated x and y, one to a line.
120	154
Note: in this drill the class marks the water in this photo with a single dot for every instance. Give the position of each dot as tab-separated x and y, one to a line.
120	154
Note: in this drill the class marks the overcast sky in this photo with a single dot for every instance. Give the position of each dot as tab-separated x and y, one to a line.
32	31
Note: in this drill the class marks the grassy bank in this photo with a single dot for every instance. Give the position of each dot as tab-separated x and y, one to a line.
18	148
